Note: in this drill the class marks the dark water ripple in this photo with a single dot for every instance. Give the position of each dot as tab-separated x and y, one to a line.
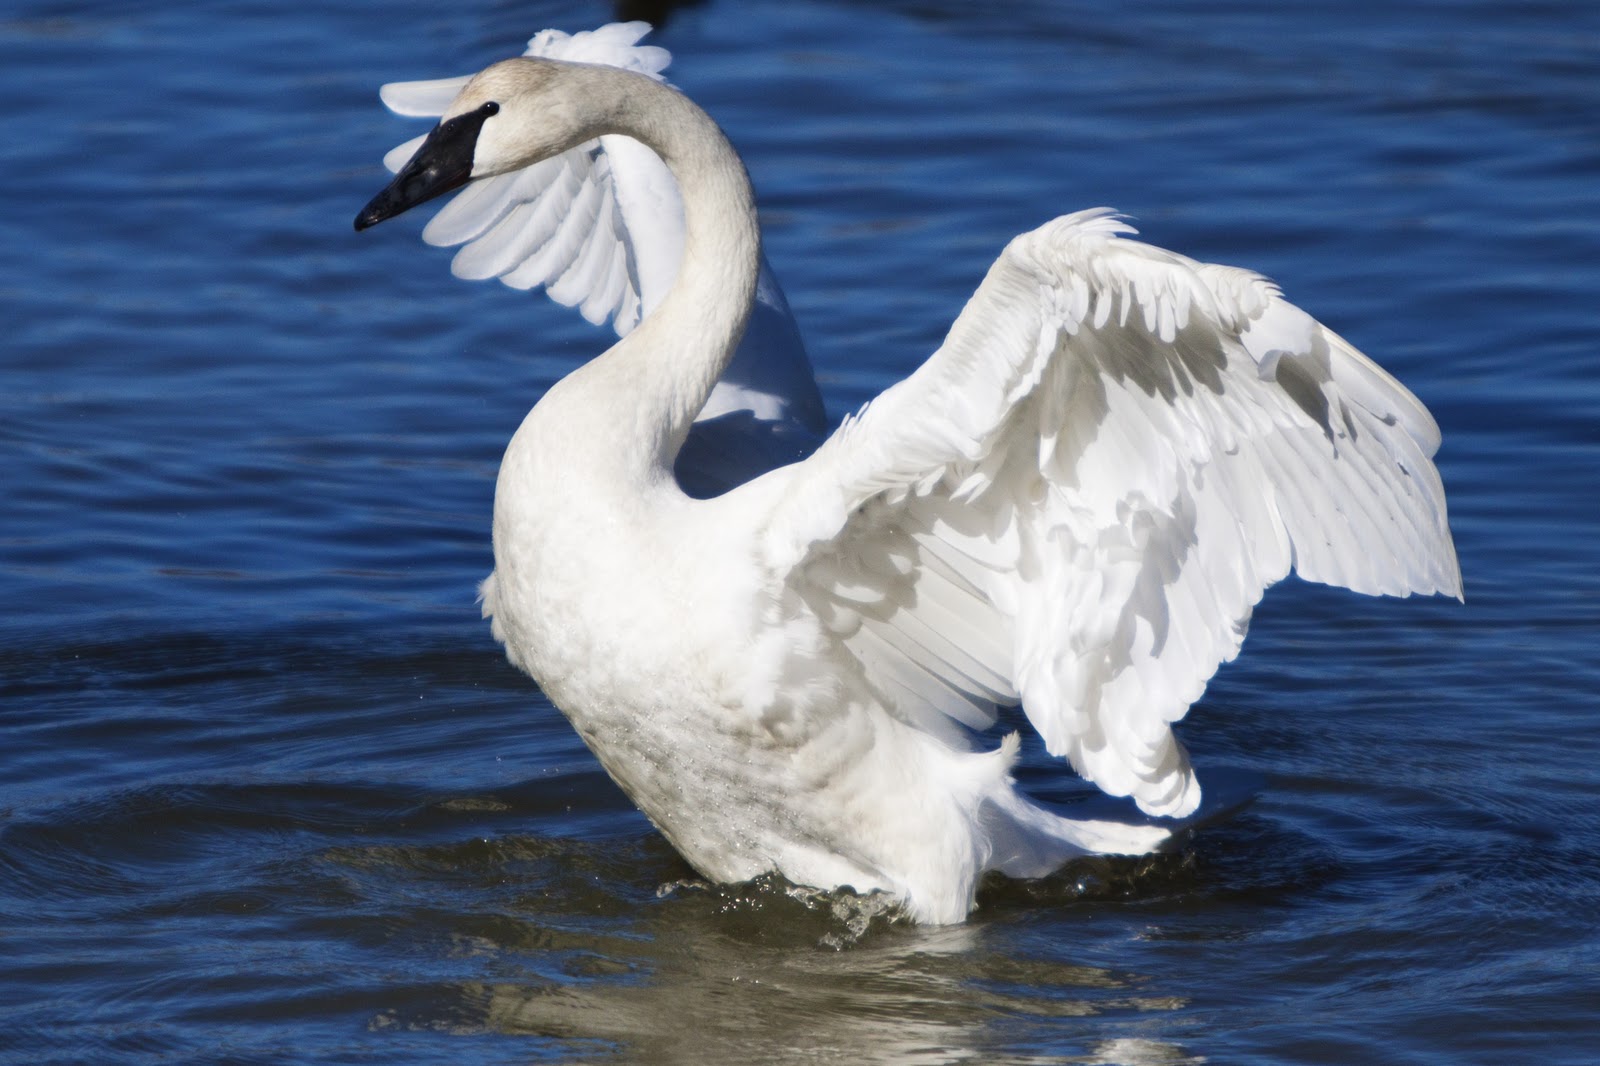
269	794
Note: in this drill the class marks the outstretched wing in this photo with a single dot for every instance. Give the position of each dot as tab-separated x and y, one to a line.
600	227
1076	502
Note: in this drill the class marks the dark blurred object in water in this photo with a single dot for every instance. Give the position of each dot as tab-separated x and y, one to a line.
655	12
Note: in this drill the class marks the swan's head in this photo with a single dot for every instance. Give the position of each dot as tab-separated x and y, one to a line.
509	116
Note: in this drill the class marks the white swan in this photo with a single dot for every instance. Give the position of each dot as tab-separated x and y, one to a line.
1073	504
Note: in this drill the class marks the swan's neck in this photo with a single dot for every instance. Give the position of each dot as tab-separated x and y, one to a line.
640	397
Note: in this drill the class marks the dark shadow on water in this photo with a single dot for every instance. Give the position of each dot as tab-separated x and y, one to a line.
1248	861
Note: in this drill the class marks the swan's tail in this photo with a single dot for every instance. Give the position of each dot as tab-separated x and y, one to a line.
1029	841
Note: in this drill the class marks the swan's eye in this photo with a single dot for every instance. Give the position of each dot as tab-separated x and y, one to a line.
490	108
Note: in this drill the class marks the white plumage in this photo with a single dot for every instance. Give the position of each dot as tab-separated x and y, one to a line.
600	227
1073	504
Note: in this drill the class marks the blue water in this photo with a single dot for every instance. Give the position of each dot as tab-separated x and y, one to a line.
268	791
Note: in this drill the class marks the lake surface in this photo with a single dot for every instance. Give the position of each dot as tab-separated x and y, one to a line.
270	793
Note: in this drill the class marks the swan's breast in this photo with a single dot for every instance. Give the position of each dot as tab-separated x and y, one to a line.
617	601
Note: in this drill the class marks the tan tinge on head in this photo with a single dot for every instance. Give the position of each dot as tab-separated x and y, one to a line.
547	106
501	81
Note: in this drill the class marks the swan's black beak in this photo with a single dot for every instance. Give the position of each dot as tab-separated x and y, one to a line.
443	163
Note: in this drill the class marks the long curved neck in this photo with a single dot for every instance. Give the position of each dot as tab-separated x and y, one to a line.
648	388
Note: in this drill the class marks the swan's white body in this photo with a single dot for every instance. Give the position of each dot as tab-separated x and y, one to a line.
1074	504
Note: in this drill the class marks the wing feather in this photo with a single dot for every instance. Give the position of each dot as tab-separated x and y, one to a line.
1115	451
560	223
600	228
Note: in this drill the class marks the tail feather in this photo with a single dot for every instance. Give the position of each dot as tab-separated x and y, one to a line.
1028	841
